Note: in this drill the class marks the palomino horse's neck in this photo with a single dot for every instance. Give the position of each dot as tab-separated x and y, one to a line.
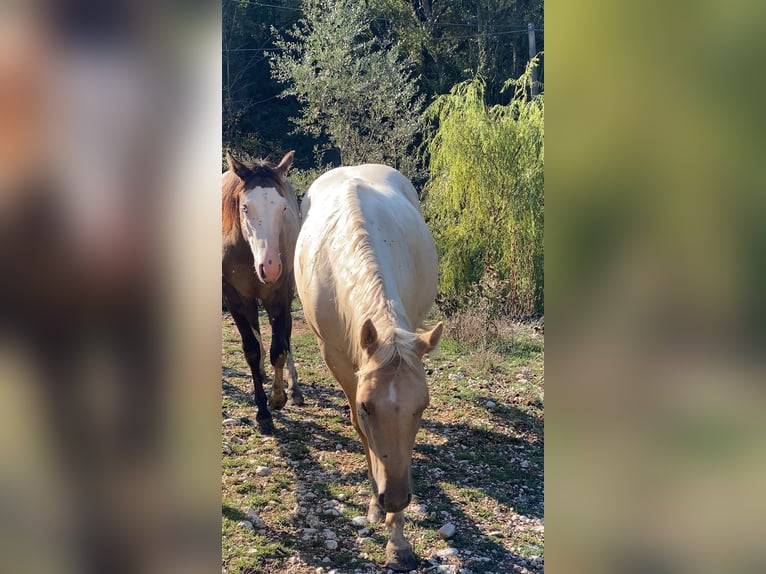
362	282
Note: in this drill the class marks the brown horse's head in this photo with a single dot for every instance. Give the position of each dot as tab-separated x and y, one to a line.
390	399
263	201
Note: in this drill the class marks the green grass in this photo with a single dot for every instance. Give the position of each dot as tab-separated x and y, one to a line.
477	466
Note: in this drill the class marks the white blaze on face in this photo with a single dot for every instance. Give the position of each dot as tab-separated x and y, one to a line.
392	392
263	209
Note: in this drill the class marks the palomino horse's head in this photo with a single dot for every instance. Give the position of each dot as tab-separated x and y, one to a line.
262	205
390	400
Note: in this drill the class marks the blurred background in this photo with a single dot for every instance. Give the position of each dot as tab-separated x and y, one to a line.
110	152
109	255
656	196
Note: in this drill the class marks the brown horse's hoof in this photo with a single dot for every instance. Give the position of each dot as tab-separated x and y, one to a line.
266	426
400	560
277	402
296	399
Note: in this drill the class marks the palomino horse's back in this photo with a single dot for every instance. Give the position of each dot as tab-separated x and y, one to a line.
378	206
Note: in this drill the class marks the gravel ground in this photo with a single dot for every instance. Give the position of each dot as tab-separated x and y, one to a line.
295	503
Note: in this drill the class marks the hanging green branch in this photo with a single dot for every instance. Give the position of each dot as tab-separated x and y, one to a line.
484	198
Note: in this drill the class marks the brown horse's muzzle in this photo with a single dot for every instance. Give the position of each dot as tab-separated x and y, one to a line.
271	271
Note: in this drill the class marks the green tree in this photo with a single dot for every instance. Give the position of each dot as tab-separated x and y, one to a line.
484	197
355	89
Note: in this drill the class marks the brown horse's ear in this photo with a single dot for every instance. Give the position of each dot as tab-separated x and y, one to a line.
237	166
369	337
427	341
286	163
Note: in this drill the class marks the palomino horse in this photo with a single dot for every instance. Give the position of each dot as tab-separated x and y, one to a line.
366	272
260	227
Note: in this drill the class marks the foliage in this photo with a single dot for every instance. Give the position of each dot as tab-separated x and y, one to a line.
354	88
255	120
484	198
443	43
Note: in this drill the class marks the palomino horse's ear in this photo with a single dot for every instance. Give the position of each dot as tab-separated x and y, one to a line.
286	163
427	341
369	337
237	166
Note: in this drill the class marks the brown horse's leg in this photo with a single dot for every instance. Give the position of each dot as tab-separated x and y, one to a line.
399	554
294	393
251	345
280	319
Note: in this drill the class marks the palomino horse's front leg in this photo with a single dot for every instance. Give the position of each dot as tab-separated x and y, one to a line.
399	554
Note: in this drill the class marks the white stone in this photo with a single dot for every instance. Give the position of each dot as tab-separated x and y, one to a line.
326	560
246	524
331	544
447	569
524	464
447	531
359	521
490	404
446	552
329	534
361	541
231	422
262	470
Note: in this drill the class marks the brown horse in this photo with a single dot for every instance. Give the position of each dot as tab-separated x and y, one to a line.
260	225
366	272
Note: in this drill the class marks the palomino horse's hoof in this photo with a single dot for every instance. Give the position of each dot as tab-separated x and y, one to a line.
375	514
296	399
400	560
266	426
277	402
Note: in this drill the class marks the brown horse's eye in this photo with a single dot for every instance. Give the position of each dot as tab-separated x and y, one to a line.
365	409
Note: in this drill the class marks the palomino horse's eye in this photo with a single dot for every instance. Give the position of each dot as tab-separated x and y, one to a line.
244	209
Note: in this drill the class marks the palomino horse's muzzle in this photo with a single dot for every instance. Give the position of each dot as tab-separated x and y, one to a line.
392	501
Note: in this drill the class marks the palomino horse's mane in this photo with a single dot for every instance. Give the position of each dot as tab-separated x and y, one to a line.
263	175
362	286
